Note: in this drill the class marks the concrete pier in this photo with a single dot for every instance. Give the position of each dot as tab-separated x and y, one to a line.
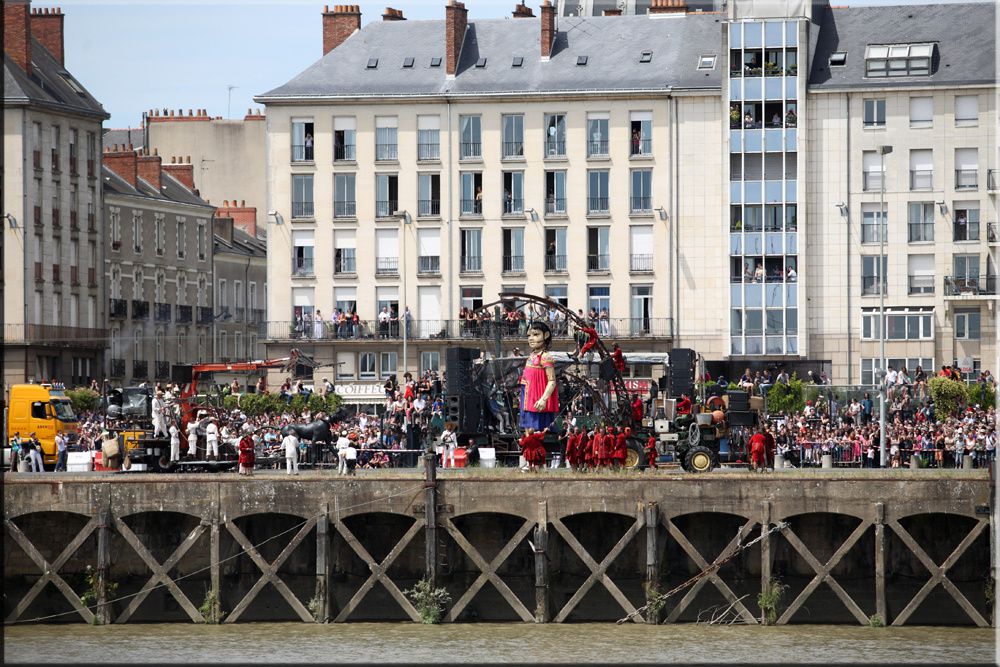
912	547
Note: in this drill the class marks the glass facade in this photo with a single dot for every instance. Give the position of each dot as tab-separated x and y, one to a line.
763	194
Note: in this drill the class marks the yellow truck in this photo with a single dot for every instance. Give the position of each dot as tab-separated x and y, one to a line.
43	409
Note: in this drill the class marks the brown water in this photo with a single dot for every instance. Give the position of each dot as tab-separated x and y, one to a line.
494	642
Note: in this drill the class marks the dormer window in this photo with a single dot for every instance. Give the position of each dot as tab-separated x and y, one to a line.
481	63
518	61
407	62
706	62
581	61
372	63
647	56
891	60
838	59
435	62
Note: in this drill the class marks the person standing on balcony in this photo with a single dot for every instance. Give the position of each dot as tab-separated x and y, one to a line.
309	146
318	324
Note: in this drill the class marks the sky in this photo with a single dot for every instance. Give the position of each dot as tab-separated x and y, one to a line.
136	55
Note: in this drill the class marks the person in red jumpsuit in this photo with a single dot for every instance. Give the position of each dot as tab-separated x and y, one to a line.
573	449
621	448
638	410
769	446
683	405
618	358
586	450
589	344
758	451
247	454
651	453
533	449
597	442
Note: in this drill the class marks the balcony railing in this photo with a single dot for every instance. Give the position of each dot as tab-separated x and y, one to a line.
161	312
555	263
162	369
370	330
991	233
117	368
965	231
641	263
205	315
302	209
641	147
385	208
970	285
921	179
870	285
302	266
555	205
470	150
429	151
642	204
258	315
920	284
472	207
429	264
966	179
472	264
870	232
345	209
56	335
555	148
598	262
117	309
343	152
597	205
920	231
302	153
386	266
513	263
386	152
140	309
597	148
428	207
140	369
183	314
346	264
513	149
871	180
513	206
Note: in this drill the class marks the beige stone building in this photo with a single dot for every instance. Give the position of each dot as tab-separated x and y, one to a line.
680	169
54	301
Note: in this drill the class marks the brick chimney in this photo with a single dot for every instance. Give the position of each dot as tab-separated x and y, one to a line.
548	28
668	7
523	11
339	24
244	217
123	161
47	28
148	168
456	20
17	32
393	15
182	170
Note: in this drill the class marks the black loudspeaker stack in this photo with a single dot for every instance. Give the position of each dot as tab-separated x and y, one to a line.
458	369
739	401
680	376
741	417
180	373
463	404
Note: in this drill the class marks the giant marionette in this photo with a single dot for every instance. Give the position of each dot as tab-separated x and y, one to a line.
539	398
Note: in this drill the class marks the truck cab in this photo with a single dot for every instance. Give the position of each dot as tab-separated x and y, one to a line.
43	409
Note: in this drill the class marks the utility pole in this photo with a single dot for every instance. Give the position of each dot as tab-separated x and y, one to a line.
229	99
882	280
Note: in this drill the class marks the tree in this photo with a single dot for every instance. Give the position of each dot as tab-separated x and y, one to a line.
83	400
949	396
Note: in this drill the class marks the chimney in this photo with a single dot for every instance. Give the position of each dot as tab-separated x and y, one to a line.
244	217
17	32
182	171
148	169
222	227
523	11
123	162
393	15
456	19
548	28
47	28
339	24
668	7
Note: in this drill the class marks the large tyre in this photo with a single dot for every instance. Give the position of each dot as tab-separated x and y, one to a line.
699	459
634	457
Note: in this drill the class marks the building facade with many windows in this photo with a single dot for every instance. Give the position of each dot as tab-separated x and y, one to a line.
678	169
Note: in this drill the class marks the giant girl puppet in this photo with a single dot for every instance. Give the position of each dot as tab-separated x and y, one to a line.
539	398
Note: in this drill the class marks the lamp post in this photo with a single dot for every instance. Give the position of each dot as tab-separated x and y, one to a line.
404	219
883	229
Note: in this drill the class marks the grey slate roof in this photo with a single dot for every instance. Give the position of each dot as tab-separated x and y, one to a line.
172	190
47	86
613	46
243	244
965	33
124	137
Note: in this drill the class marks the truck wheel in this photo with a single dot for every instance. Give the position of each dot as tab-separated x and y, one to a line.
163	464
699	459
634	457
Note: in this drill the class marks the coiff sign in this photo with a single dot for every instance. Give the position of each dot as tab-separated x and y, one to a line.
360	392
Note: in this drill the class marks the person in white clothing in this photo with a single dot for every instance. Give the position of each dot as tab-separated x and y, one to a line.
175	442
291	445
159	409
343	442
192	438
449	441
212	439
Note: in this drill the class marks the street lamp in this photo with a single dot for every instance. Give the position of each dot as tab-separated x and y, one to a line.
883	228
404	219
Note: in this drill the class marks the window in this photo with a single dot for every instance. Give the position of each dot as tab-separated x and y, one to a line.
966	267
137	231
966	225
599	298
385	138
513	250
388	364
387	298
472	251
642	189
181	237
597	190
429	194
372	63
435	62
345	299
344	251
597	134
921	112
873	224
874	112
407	62
966	110
921	221
966	168
555	250
430	361
921	169
159	233
344	204
706	62
302	196
472	297
920	274
517	62
56	144
870	274
481	63
967	324
898	60
303	251
646	56
641	242
555	135
838	58
558	294
386	251
513	136
202	241
642	310
428	137
900	324
472	193
555	192
471	146
641	133
344	133
386	195
581	61
73	138
222	298
872	175
869	366
366	365
428	251
513	192
302	140
598	249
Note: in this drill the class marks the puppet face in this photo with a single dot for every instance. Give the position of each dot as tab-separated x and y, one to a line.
538	340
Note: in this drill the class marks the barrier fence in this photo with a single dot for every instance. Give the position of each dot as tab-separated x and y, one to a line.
809	454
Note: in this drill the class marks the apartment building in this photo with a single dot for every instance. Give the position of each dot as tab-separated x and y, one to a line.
239	270
681	169
54	312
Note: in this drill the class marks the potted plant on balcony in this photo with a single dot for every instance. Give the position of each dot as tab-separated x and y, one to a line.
771	68
734	117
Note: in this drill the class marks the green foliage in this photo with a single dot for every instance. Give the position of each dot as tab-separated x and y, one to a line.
255	405
83	399
949	396
211	608
875	621
769	599
314	607
429	601
89	597
788	398
983	395
732	386
656	601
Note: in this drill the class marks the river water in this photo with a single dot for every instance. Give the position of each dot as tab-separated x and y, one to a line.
494	642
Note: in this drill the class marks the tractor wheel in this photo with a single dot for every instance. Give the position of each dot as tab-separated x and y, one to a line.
694	434
634	457
699	459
